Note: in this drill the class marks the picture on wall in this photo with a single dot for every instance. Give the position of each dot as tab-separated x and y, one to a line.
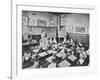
41	22
49	47
50	40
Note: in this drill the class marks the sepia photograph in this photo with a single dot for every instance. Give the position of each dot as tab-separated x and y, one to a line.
55	39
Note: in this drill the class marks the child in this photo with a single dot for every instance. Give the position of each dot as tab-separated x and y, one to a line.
27	59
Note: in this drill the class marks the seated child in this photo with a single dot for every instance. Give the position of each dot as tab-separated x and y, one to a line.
27	59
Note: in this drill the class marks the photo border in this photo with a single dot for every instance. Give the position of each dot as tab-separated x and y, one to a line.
12	66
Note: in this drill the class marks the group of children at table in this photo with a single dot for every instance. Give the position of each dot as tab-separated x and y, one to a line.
64	49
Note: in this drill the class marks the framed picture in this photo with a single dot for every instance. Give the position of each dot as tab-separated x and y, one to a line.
41	22
51	51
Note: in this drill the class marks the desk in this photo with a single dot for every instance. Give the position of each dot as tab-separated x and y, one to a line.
72	58
64	63
52	65
29	44
42	54
49	59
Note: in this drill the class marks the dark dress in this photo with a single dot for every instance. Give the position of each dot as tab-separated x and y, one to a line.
27	63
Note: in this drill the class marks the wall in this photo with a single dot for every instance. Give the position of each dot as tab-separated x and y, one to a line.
32	19
77	25
70	21
77	20
34	16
